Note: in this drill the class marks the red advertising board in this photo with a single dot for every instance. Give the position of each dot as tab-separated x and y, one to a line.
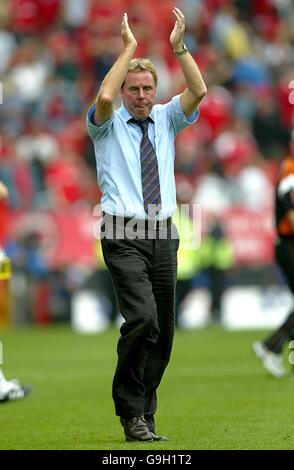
68	238
252	236
64	238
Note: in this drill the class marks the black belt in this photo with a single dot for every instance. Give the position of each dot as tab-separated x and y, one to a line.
146	224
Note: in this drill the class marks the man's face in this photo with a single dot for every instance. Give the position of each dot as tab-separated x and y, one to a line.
138	94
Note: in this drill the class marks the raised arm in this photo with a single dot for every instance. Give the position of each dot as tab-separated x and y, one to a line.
196	88
113	81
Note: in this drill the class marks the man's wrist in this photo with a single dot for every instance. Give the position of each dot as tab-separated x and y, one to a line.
178	51
131	47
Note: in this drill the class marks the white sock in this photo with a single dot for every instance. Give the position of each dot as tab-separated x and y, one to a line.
3	383
2	376
6	385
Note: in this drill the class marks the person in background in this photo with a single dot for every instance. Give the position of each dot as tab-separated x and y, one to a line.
10	390
134	149
217	259
269	351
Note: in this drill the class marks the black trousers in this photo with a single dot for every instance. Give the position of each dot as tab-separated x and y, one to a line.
144	272
285	257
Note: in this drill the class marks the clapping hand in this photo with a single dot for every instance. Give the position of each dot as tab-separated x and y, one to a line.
177	34
126	33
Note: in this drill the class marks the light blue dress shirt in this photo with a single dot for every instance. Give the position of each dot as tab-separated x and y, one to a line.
117	152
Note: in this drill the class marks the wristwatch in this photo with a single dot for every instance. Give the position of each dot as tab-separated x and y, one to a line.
182	52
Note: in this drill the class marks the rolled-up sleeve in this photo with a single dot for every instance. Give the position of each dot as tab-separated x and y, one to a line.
94	131
178	117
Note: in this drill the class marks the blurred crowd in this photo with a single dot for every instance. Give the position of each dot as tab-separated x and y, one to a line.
55	53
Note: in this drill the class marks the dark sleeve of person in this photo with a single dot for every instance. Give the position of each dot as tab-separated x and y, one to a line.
287	201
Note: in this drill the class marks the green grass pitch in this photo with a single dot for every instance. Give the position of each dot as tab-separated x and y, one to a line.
214	395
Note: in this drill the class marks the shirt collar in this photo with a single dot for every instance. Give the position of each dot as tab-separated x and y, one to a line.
127	116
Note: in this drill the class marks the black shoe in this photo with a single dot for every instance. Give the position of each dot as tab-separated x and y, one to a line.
151	426
136	429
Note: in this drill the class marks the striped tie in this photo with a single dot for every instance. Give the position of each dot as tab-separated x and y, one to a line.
149	172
